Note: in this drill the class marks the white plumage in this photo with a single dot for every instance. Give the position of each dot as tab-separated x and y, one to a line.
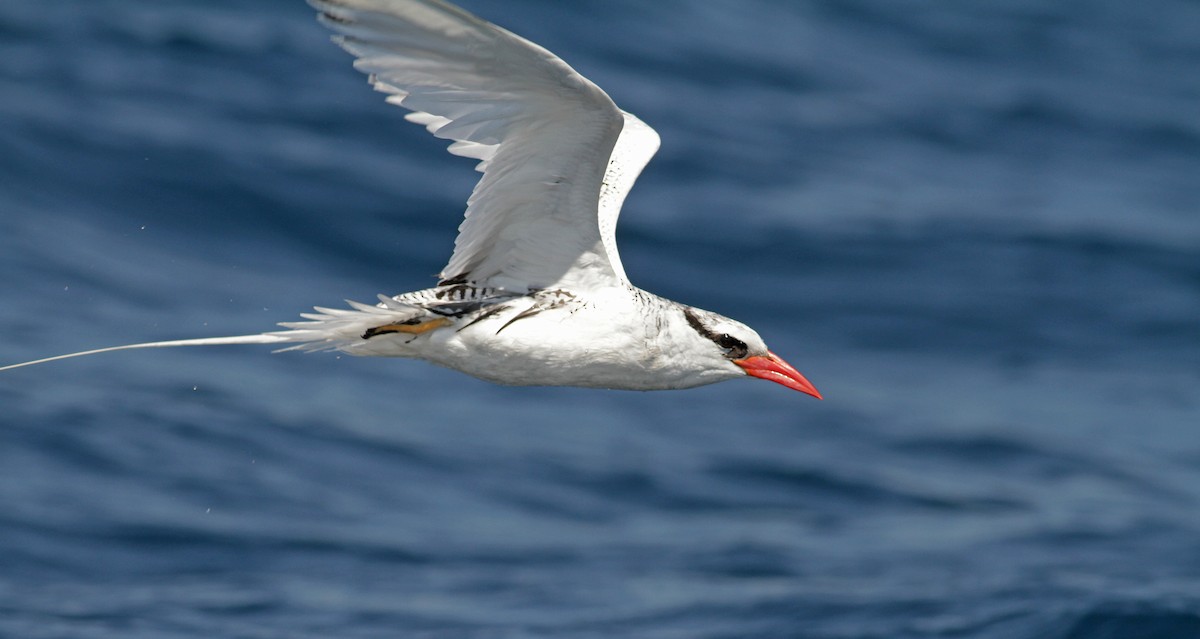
535	292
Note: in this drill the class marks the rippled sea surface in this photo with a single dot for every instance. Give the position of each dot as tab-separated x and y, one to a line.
975	226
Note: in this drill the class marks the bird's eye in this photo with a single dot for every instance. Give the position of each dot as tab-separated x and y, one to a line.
734	347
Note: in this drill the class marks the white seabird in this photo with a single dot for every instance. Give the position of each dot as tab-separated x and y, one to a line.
534	293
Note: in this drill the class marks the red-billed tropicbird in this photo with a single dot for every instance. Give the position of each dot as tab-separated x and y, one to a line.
535	293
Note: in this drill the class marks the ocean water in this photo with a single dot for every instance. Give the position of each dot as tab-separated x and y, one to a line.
975	226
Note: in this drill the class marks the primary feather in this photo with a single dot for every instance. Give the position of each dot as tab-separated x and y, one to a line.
544	135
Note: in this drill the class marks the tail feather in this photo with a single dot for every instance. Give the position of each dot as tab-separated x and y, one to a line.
327	329
342	329
268	338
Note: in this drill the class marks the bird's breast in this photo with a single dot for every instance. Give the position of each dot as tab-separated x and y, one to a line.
556	338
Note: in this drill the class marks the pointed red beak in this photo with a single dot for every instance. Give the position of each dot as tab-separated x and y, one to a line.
771	368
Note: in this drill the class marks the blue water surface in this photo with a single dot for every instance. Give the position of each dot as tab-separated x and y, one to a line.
975	226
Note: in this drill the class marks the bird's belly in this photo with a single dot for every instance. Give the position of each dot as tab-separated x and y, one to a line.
550	353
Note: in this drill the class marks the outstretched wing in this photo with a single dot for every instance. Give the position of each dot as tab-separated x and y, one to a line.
544	135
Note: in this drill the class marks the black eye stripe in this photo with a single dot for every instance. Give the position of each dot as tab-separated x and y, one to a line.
734	347
694	322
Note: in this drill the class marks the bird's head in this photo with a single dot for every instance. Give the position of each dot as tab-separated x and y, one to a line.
728	344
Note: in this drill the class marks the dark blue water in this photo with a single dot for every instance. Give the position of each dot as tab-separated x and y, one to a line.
975	226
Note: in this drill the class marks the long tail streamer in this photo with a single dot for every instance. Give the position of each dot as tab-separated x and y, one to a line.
326	329
205	341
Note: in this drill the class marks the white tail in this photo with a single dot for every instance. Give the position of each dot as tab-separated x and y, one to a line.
327	329
205	341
